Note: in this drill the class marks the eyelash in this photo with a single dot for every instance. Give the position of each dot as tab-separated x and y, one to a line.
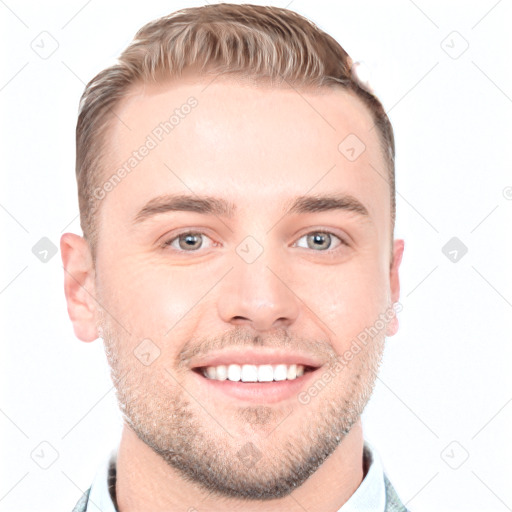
342	244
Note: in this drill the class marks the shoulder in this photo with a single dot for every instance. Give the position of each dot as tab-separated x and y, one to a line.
81	505
393	502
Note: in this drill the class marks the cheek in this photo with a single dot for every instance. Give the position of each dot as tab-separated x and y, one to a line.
147	298
348	299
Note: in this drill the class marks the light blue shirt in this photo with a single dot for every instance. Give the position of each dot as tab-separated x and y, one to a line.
370	496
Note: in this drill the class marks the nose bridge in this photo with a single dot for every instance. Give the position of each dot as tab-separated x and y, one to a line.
256	291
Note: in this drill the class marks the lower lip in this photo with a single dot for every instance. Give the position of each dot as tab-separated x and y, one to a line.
258	392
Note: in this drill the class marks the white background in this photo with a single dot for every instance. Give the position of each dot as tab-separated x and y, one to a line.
445	388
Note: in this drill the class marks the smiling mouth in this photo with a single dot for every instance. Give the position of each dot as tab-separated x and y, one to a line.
254	373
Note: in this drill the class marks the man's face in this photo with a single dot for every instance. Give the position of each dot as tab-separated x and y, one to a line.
266	279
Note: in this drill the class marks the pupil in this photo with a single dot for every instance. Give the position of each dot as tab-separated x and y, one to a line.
191	241
319	238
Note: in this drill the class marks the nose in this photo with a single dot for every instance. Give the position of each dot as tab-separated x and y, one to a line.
257	294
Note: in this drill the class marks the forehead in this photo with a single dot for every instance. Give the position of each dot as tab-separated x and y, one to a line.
253	145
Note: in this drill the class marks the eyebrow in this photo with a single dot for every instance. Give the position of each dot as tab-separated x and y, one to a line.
209	205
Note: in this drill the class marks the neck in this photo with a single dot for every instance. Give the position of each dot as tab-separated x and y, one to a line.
145	482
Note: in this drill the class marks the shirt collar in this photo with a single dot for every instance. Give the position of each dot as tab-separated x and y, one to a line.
370	496
103	488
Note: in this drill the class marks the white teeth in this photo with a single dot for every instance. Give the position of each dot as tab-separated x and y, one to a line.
280	372
254	373
291	372
211	372
249	373
221	372
265	373
234	372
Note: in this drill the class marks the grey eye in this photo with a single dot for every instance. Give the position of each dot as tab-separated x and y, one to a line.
320	240
190	241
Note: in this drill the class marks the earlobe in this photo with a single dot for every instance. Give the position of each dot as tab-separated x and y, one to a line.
394	281
79	285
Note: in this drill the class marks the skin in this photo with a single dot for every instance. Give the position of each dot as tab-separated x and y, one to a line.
257	147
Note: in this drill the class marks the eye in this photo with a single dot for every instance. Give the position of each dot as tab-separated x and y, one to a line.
321	240
188	241
192	241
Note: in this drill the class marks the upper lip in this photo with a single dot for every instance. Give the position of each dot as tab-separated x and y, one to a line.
248	356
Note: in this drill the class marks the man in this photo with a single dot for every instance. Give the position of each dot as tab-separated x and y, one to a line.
236	192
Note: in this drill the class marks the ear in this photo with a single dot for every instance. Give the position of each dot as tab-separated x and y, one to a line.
394	282
79	285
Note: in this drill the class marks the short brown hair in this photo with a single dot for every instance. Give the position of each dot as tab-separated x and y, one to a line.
260	42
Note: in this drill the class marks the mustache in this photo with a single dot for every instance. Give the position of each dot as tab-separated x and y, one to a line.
242	337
